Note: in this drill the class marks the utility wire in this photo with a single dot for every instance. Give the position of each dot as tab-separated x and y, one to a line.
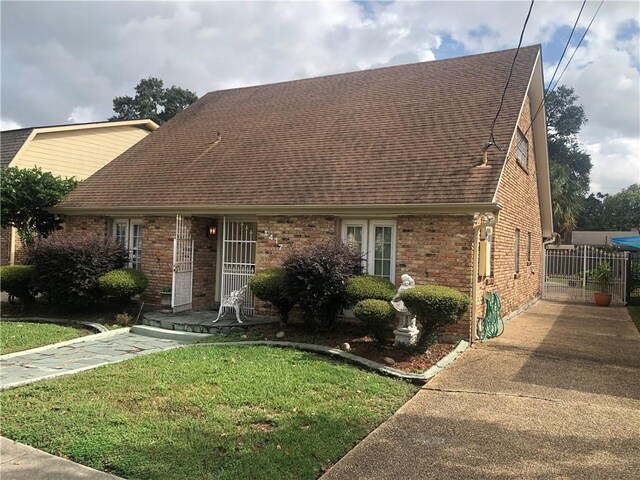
493	124
552	88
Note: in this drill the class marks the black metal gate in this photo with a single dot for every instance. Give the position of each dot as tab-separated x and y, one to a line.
633	279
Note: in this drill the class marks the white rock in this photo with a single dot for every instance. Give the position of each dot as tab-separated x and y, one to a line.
345	347
389	361
280	334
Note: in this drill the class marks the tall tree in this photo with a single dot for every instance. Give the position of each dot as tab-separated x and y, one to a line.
26	195
153	101
570	165
622	210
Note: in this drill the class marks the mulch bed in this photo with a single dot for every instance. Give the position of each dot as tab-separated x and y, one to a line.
362	345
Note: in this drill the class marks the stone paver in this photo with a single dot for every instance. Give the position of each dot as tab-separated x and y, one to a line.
557	396
91	352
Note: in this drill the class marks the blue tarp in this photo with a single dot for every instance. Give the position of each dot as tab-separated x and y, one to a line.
627	241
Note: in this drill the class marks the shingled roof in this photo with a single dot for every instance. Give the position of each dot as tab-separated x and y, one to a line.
10	142
403	135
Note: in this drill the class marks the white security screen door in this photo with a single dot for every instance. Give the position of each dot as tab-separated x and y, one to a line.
183	250
239	259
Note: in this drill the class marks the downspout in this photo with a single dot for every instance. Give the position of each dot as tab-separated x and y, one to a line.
481	221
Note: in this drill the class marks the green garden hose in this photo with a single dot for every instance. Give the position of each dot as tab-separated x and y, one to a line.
492	325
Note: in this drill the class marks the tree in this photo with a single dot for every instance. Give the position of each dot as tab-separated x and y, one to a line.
570	165
591	216
621	211
152	101
26	194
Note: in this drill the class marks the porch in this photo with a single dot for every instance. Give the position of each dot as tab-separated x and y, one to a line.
201	321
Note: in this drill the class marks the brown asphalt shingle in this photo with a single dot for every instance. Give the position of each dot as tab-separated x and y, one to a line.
10	142
410	134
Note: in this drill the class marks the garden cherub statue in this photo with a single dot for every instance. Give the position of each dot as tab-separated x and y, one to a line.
407	319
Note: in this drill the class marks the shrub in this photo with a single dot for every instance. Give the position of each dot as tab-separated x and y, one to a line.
363	287
124	319
435	306
377	316
67	268
16	281
268	286
123	283
315	279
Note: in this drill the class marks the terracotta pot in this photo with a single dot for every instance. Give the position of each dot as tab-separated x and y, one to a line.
602	299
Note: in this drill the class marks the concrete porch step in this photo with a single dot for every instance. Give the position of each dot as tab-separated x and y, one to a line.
201	322
165	334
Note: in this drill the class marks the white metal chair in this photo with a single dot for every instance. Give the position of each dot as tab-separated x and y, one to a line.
235	299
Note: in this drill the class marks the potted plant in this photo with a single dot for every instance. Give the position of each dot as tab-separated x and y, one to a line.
165	296
603	275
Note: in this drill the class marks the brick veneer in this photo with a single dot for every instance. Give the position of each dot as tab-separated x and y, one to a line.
518	194
5	246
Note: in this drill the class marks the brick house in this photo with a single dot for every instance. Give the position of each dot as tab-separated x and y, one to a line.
77	150
393	158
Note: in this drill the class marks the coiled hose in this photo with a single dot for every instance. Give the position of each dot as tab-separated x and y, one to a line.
492	325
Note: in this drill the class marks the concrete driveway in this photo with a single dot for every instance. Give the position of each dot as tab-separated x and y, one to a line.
557	396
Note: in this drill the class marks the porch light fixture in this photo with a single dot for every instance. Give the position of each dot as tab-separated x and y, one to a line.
212	229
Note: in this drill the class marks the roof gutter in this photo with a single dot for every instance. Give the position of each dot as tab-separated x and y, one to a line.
346	210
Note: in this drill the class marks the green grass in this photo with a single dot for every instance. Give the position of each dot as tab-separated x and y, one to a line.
17	336
205	413
634	312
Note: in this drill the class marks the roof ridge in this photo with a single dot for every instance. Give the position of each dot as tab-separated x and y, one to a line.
76	124
376	69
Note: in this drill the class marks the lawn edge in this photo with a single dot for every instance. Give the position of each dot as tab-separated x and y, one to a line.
417	378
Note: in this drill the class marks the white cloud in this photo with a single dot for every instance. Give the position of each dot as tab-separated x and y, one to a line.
83	115
7	124
50	69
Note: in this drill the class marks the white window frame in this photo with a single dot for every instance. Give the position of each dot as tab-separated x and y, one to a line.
522	154
130	222
368	237
365	237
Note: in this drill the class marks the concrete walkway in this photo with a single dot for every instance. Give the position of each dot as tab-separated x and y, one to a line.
557	396
71	357
21	462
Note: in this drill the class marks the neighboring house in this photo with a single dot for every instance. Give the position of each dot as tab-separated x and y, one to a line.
392	158
596	238
77	150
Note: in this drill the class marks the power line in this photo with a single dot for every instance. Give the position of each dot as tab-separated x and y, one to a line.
552	88
504	92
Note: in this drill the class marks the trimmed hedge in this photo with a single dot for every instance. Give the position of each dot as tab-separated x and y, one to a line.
434	305
377	315
16	281
123	283
268	286
67	268
363	287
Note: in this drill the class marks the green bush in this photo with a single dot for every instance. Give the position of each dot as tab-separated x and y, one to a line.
16	281
435	306
268	286
363	287
316	278
123	283
377	316
67	268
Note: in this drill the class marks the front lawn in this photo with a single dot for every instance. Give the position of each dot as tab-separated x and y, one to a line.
18	336
206	412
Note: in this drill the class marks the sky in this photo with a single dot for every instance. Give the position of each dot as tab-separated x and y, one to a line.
64	62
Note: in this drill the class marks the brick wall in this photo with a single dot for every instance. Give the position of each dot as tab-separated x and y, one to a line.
437	250
85	225
518	193
5	246
157	255
204	263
